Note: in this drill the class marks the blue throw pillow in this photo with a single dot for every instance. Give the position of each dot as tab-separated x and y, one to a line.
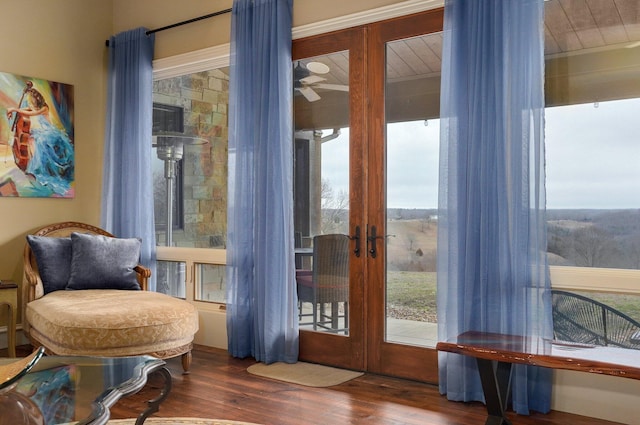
53	256
102	262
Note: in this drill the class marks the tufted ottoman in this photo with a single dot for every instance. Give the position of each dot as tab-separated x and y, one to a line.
111	322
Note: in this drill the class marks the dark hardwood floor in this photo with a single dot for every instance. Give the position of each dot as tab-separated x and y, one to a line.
220	387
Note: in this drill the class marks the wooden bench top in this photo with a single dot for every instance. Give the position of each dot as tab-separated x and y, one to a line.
614	361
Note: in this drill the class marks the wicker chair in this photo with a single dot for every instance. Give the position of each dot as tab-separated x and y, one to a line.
577	318
327	285
104	322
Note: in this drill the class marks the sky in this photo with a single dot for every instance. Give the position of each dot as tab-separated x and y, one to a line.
592	158
593	155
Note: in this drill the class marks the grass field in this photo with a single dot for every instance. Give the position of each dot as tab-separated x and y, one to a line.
628	304
412	296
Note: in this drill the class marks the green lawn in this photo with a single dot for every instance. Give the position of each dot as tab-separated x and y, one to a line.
412	295
628	304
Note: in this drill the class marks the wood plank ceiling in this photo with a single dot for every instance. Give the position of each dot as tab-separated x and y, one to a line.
570	26
596	40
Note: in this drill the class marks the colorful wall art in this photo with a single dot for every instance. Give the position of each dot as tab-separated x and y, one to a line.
37	150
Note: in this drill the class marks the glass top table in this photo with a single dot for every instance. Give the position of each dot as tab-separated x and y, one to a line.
78	390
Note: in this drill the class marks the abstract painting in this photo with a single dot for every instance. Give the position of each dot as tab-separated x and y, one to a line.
37	150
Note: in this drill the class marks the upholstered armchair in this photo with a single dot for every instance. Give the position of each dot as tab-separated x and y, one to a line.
85	294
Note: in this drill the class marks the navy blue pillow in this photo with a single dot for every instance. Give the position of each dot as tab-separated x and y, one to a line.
102	262
53	256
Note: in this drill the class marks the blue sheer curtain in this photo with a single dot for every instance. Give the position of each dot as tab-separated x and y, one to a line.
127	192
492	269
261	296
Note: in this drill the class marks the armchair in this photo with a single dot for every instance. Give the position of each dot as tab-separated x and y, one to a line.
73	304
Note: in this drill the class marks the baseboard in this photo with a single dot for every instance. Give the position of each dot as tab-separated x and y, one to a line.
21	339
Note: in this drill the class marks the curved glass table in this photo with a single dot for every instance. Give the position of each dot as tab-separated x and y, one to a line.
77	390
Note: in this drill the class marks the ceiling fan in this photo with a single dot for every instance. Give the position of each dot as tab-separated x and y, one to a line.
307	77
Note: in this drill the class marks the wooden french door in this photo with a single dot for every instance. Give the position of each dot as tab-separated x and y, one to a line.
329	99
362	99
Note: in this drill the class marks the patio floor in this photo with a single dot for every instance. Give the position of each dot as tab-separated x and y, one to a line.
410	332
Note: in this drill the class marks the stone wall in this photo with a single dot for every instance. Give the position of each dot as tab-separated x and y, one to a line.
205	99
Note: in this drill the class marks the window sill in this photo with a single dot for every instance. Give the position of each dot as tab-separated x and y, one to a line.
596	279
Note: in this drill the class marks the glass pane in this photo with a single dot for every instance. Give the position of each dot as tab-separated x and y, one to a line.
210	283
592	94
190	170
593	188
171	278
412	143
321	191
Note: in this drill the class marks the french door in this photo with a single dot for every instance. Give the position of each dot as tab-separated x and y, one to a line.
365	177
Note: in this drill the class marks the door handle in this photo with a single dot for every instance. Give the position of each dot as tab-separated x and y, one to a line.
373	251
356	238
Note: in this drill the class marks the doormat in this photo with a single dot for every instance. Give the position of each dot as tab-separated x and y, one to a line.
308	374
178	421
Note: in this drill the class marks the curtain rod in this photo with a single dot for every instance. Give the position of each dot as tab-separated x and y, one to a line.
199	18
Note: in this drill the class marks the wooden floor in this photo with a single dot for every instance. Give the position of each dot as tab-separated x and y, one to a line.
220	387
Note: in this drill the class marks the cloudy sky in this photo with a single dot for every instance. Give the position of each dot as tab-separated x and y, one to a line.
593	155
593	158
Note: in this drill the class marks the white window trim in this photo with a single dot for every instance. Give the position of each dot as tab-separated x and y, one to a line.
192	257
196	255
192	62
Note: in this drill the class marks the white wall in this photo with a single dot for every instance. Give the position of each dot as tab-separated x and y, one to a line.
61	41
211	32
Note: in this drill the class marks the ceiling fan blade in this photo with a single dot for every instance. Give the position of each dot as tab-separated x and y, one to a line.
309	94
339	87
312	79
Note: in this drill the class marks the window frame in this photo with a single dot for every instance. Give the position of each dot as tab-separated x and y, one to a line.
592	279
174	66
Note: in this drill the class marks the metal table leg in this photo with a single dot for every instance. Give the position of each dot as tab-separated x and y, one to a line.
154	404
496	383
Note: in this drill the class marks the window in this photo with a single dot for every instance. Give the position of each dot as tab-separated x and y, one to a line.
594	184
592	92
592	67
190	181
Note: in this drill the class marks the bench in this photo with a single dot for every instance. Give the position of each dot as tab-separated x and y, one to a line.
496	353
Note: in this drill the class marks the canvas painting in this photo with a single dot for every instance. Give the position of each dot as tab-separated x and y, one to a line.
37	151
